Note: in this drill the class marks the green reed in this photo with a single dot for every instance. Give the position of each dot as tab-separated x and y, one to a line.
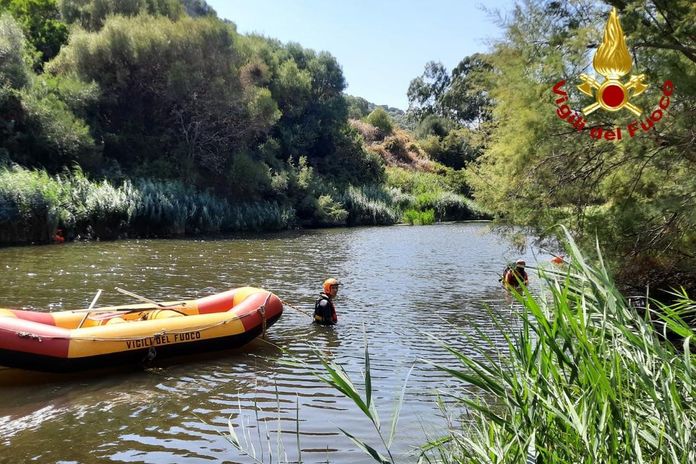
34	204
586	378
370	205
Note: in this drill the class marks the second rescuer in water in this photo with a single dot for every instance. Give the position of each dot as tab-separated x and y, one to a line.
324	309
515	277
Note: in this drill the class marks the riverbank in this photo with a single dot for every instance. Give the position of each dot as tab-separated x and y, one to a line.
38	208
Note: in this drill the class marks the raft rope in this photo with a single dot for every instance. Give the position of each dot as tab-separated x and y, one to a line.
285	303
262	310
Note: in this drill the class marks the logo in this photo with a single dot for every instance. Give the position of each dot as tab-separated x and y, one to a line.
612	61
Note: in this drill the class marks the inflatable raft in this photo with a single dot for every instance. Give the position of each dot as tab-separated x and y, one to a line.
69	341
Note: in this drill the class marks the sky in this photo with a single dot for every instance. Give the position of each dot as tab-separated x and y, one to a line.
380	44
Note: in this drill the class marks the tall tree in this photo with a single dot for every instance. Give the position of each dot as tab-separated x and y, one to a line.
467	100
41	23
636	195
461	97
172	100
426	93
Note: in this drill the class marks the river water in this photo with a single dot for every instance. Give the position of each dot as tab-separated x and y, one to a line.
401	285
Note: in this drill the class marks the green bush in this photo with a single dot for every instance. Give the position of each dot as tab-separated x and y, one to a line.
415	182
416	217
350	162
248	178
456	149
58	136
433	125
381	120
423	191
329	212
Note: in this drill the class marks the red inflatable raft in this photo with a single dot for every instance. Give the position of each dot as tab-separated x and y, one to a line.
69	341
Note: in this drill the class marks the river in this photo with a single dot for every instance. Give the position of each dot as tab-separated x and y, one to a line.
399	286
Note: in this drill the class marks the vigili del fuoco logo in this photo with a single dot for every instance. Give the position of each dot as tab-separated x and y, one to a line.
614	93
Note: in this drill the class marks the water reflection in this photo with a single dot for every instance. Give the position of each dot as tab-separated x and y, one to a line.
400	284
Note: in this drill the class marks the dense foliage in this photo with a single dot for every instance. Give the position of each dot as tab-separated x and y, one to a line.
589	378
636	195
163	90
452	111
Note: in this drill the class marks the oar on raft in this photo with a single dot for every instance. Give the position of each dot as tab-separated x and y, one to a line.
91	308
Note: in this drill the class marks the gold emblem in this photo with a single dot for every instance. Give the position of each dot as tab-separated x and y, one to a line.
612	61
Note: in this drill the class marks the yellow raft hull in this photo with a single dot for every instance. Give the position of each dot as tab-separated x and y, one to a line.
69	341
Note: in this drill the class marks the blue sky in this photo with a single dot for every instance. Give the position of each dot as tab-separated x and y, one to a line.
381	44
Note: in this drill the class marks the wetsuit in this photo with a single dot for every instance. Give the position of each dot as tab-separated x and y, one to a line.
513	277
324	311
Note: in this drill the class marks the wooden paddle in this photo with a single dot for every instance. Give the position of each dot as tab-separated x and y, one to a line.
91	305
141	298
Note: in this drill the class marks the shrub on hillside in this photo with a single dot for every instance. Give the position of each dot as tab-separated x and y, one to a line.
381	120
368	132
433	125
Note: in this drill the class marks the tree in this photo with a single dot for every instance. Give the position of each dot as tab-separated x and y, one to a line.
358	107
425	93
91	14
660	25
456	149
40	21
198	8
467	100
637	196
309	90
461	97
14	71
172	103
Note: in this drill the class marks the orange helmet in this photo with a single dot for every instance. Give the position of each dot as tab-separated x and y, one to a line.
328	283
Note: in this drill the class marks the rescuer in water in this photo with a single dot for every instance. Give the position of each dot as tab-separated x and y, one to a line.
514	277
324	309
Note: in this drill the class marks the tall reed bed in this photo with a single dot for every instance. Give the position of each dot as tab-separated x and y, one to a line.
416	217
30	205
370	205
585	378
33	205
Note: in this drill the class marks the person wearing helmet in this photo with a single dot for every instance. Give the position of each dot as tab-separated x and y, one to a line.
324	309
514	277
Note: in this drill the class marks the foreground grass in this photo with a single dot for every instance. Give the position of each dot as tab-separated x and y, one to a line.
585	378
